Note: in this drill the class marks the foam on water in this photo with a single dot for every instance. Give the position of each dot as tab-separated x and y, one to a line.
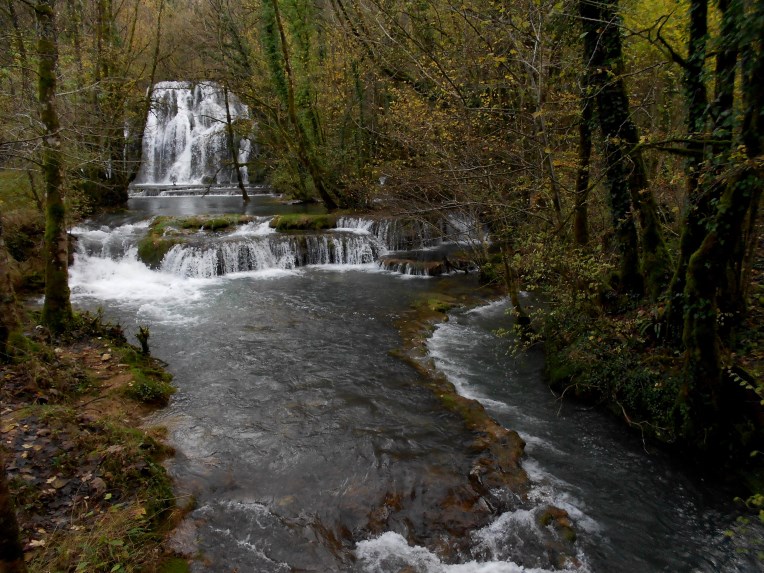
128	279
264	274
128	282
254	229
391	553
490	308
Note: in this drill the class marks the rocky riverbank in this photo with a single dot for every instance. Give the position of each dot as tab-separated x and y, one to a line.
86	474
496	481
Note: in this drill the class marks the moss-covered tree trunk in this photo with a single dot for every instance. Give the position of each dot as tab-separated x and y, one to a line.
8	316
626	173
706	280
581	211
513	289
57	309
602	58
704	285
11	551
277	51
698	197
21	51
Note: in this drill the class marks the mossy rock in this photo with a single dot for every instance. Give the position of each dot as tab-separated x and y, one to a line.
217	223
164	226
304	222
152	249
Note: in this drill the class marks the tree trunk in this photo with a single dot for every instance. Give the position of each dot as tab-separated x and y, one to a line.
135	142
705	278
303	152
698	204
26	84
11	552
57	309
234	155
627	176
602	57
581	211
513	289
706	281
8	317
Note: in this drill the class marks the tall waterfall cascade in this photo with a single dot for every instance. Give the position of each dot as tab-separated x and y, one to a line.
185	141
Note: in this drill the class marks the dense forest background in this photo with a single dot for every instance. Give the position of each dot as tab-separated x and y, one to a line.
612	150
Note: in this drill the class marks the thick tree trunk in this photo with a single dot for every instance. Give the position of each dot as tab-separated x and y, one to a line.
11	552
706	281
57	309
627	176
698	197
602	50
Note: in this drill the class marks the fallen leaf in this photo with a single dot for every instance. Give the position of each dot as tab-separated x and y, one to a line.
98	485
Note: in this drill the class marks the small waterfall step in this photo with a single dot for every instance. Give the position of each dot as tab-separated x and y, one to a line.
205	259
136	191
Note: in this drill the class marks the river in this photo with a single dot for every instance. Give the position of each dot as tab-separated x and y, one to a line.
293	424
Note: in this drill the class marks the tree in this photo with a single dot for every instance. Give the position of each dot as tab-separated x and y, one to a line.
626	173
283	74
707	279
57	309
232	148
8	315
11	551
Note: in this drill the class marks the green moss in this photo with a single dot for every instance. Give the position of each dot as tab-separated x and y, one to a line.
206	223
149	389
166	232
304	222
152	384
152	249
175	565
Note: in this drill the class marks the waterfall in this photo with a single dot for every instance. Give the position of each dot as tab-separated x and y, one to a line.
256	246
402	234
273	251
185	140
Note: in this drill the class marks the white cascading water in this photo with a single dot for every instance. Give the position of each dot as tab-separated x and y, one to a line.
185	140
404	234
272	251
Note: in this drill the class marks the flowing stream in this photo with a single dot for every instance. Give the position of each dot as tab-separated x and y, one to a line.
293	424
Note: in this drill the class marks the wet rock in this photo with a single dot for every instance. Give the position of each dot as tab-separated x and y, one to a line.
559	520
183	539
